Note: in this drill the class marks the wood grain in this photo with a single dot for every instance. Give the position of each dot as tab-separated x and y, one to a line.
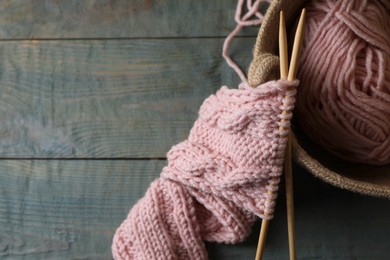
330	224
104	98
70	209
67	209
21	19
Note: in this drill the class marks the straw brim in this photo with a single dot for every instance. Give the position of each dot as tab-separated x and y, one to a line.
366	179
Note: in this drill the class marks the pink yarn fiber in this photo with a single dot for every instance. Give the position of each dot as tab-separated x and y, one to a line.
216	181
252	17
343	100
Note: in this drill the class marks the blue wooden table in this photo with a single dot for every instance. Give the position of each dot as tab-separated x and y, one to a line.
94	93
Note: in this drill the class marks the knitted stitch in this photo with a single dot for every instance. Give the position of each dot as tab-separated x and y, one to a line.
216	181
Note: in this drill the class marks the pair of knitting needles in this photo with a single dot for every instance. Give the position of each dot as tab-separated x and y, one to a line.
289	74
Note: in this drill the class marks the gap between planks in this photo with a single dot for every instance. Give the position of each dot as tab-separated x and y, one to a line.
125	38
81	159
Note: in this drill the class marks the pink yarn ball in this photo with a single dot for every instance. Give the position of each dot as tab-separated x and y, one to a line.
344	94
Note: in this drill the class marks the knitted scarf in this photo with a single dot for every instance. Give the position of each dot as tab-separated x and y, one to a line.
218	180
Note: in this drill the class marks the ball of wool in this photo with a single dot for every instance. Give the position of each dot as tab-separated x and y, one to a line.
343	100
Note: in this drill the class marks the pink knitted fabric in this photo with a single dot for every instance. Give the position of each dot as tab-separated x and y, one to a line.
218	180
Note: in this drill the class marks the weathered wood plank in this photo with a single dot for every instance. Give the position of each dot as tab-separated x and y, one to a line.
117	19
67	209
128	98
330	224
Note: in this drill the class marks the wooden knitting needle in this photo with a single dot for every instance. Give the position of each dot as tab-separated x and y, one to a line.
292	71
283	72
288	169
283	53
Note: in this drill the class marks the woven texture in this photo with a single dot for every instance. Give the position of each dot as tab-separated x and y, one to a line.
218	180
366	179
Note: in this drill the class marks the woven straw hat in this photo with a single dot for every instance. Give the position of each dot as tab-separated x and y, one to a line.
362	178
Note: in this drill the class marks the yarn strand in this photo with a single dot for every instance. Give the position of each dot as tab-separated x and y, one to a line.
242	20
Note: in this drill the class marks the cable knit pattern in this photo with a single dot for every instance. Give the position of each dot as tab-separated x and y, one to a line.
218	180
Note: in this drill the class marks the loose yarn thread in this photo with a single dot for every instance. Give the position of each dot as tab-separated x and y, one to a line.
253	17
343	102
